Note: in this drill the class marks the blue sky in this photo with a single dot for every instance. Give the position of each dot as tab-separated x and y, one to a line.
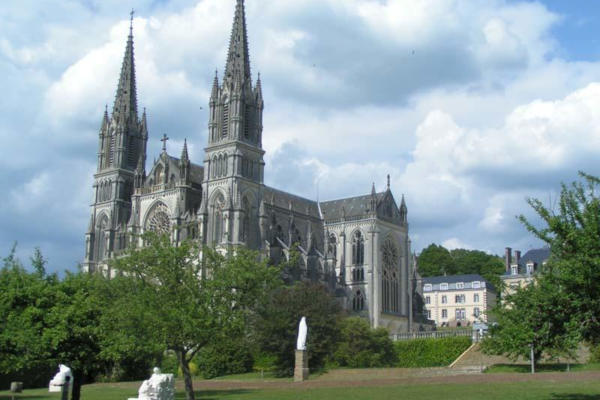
470	105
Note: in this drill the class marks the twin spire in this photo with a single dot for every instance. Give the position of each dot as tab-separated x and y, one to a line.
238	58
126	98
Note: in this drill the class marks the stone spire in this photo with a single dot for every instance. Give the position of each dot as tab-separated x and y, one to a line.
215	89
184	152
238	58
125	105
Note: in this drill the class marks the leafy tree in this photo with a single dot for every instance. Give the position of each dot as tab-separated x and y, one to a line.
538	316
436	260
185	304
276	324
38	262
360	346
572	231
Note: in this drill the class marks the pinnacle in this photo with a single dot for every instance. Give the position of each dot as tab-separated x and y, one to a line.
238	59
126	97
184	151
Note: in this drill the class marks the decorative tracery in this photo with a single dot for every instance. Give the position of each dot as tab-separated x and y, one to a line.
158	220
390	279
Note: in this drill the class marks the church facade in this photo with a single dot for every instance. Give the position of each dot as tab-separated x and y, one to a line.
359	247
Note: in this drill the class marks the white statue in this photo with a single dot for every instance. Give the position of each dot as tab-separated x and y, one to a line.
302	332
59	379
158	387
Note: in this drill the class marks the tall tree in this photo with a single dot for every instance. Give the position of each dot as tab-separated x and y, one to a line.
572	231
535	320
436	260
185	304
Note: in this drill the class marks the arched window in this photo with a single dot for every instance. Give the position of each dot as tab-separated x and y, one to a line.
358	302
218	219
332	247
225	126
213	167
245	228
390	279
224	169
101	234
358	249
220	166
158	220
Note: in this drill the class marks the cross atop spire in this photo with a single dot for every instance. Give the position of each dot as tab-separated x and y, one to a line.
126	98
131	22
164	139
238	58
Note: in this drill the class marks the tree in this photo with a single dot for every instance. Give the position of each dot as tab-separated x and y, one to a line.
436	260
276	324
537	315
359	346
185	304
572	231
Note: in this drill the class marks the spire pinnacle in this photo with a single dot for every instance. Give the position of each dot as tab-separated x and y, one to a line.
184	152
388	181
126	99
215	88
238	58
131	22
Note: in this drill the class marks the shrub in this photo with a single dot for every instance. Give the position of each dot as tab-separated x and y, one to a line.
225	357
363	347
422	353
169	364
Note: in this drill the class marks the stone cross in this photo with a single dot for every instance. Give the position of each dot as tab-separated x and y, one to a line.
164	140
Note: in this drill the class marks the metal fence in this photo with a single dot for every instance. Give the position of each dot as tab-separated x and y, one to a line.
434	334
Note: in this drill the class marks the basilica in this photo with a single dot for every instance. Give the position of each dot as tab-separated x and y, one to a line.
359	246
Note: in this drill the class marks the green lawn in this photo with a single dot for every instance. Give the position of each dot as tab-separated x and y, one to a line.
526	368
587	390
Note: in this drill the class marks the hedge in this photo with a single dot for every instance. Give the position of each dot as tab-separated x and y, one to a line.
423	353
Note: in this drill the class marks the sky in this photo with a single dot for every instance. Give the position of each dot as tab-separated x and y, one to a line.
471	106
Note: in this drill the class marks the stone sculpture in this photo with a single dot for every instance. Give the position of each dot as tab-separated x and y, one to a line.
302	332
158	387
59	379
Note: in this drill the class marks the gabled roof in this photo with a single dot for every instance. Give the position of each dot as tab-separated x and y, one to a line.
454	279
348	207
537	256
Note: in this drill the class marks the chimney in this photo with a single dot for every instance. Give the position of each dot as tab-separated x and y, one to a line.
508	259
517	257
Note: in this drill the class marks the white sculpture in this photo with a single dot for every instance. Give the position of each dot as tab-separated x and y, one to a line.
59	379
158	387
302	332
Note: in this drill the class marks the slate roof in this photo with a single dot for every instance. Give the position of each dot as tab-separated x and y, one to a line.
538	256
196	171
300	205
454	279
353	206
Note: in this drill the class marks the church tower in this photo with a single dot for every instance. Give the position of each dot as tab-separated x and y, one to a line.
121	158
233	164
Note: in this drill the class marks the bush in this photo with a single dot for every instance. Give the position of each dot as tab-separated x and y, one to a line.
422	353
169	364
363	347
224	358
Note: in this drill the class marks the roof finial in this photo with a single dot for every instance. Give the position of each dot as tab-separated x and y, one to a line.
164	140
388	181
131	22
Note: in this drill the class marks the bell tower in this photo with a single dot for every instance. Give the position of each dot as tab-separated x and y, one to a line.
233	164
121	151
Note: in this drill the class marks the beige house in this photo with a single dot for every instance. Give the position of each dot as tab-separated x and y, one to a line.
458	300
521	271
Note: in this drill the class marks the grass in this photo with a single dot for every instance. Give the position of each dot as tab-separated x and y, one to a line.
555	367
534	390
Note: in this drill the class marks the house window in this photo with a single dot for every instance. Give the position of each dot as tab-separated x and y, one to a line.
427	287
444	299
476	298
444	313
428	314
514	269
444	286
460	314
459	298
476	312
530	268
460	285
476	285
427	300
